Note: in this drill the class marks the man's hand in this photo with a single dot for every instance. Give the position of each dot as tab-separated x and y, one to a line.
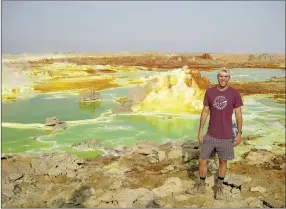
200	136
237	139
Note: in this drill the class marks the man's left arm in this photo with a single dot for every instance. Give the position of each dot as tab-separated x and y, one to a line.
238	116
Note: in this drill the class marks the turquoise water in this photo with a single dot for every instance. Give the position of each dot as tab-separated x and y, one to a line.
110	129
20	140
262	116
248	74
37	109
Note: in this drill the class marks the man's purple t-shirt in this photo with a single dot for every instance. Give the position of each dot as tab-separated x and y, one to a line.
221	104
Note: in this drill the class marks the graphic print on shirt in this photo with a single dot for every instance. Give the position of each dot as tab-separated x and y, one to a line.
220	102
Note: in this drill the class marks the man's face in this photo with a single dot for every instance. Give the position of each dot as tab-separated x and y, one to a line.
223	79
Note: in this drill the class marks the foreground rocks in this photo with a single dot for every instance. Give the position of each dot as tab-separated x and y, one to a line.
146	175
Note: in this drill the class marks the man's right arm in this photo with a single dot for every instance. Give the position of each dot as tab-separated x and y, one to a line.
204	116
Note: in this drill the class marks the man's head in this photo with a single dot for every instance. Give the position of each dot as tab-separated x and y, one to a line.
223	76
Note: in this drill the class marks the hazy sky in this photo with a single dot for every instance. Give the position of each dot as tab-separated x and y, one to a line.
170	26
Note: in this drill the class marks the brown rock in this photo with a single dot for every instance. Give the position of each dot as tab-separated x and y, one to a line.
206	56
55	123
90	95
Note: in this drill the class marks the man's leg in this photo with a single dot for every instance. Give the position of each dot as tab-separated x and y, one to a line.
219	183
225	152
200	186
207	148
203	168
222	168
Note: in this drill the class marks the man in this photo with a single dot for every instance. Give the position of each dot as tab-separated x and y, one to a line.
220	101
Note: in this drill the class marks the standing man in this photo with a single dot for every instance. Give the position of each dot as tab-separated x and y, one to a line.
220	101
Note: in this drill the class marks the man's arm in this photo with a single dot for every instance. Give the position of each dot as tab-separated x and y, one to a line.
204	116
238	116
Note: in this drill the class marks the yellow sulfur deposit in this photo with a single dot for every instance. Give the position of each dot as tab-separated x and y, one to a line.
70	84
173	92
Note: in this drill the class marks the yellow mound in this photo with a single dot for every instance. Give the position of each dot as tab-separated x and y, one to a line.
178	91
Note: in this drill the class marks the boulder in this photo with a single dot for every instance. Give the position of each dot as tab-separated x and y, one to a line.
114	171
151	85
149	150
191	150
136	95
262	57
124	107
89	96
13	172
55	123
258	157
175	153
125	198
236	180
128	198
14	169
171	186
52	121
161	156
7	190
206	56
56	164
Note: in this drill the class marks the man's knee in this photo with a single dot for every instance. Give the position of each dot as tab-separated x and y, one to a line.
203	162
222	162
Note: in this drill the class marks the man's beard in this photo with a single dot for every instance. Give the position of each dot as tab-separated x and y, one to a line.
222	86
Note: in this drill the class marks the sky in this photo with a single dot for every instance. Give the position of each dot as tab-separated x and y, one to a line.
163	26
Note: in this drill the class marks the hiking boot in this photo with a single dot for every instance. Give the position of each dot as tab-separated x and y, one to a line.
219	192
199	188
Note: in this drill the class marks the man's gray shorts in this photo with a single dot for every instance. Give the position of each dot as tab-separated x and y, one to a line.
223	147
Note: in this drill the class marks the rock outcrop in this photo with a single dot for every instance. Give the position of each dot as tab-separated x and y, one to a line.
197	81
90	96
56	164
206	56
264	158
55	123
262	57
135	96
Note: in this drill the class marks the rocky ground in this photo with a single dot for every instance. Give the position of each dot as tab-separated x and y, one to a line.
146	175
